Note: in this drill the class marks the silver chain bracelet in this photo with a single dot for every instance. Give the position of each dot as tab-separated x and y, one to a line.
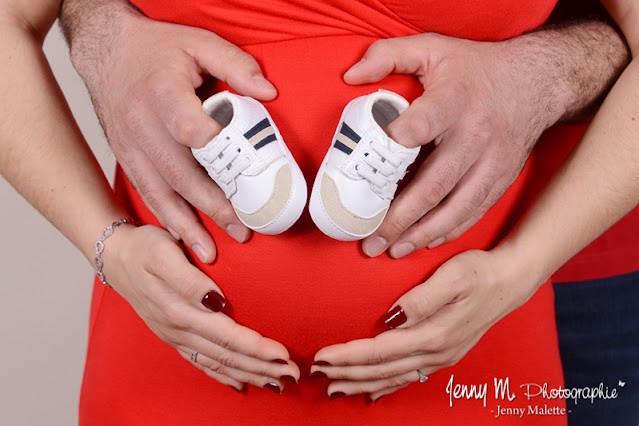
99	248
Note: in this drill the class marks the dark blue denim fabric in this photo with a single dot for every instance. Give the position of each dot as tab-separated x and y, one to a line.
598	328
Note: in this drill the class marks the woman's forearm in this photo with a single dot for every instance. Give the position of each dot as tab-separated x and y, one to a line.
595	187
43	154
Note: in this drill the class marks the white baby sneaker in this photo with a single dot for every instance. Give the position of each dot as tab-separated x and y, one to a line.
360	173
252	165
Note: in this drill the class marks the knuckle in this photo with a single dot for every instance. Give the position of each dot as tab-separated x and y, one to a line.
185	130
378	47
226	359
384	373
438	343
176	177
432	195
174	316
216	367
419	123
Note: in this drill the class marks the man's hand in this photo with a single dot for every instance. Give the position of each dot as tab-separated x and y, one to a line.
141	75
485	104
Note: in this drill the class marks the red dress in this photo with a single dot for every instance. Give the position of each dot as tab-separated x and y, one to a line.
302	288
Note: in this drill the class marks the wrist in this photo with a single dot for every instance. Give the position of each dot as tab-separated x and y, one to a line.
519	269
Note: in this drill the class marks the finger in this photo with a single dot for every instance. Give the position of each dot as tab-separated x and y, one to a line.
384	57
229	63
378	371
226	333
341	388
270	383
279	368
375	396
225	380
181	171
490	201
428	117
434	180
180	110
383	348
445	286
168	206
463	203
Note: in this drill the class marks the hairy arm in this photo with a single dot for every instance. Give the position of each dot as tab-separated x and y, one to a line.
485	104
45	157
599	182
142	76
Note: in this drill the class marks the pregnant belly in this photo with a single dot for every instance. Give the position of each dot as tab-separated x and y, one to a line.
303	288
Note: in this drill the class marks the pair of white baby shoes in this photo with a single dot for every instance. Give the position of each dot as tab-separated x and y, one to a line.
355	183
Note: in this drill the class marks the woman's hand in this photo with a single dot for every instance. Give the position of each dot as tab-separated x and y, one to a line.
184	308
434	325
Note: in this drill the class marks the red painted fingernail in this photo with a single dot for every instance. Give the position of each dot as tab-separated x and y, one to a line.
280	361
289	378
395	317
320	362
214	301
273	387
336	395
318	374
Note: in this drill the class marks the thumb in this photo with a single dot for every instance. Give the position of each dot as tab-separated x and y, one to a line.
383	57
230	64
423	301
370	69
427	117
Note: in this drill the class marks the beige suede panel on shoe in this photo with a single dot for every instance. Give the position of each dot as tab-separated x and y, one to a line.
341	216
275	204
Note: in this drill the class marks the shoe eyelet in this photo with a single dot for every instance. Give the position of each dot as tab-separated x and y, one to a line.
366	154
228	138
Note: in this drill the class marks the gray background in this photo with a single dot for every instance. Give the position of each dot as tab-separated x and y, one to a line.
45	287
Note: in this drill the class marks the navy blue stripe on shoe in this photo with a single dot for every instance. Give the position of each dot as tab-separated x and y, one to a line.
349	133
270	138
257	128
342	147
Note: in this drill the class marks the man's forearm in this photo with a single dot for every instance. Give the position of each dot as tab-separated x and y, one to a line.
582	60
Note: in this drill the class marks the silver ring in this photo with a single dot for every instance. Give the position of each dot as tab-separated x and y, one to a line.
194	357
422	376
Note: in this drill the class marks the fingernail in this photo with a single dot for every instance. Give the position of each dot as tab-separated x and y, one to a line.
214	301
200	253
280	361
320	362
173	233
395	317
336	395
273	387
402	250
237	233
375	246
436	243
263	83
318	374
289	379
235	389
378	398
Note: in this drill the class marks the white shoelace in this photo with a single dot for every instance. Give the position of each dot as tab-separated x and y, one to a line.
222	158
378	169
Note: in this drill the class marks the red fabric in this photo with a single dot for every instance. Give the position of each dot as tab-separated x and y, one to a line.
302	288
